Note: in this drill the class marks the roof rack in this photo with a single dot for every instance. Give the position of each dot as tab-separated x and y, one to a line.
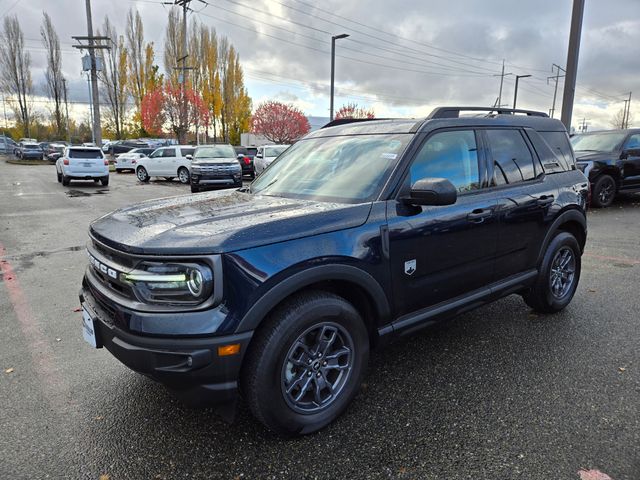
343	121
454	112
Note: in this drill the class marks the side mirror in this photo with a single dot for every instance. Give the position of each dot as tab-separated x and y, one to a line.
239	156
189	157
258	155
432	191
630	152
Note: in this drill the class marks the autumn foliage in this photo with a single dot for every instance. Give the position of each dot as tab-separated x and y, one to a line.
353	110
279	122
162	107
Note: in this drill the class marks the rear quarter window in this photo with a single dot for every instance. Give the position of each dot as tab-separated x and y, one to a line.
559	144
187	151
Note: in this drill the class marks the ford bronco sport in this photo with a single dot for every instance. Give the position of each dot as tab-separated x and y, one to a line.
359	233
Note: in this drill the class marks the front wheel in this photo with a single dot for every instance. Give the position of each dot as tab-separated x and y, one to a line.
142	174
183	175
604	191
306	363
558	277
194	189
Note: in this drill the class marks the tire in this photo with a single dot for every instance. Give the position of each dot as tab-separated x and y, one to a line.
65	180
545	296
183	175
96	180
194	189
267	373
142	174
118	170
168	179
604	191
104	181
59	176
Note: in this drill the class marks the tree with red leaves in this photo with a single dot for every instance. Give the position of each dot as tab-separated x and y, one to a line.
279	122
163	106
353	110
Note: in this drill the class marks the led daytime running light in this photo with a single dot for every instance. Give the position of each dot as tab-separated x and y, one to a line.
141	277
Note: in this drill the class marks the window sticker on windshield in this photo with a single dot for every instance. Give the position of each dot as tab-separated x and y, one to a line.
389	156
395	144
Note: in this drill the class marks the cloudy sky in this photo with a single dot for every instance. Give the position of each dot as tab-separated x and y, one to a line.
402	57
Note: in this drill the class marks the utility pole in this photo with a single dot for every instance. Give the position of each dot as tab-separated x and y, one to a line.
183	76
556	77
91	112
502	75
584	125
572	62
66	108
92	46
627	112
515	91
333	68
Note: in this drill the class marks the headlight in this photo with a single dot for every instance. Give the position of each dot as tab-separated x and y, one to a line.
170	283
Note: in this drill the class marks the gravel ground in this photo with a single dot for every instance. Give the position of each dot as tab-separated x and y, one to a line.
499	393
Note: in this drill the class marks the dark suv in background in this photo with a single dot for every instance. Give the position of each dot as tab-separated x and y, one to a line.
245	157
359	233
611	161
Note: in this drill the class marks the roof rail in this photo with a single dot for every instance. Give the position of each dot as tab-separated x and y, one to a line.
454	112
343	121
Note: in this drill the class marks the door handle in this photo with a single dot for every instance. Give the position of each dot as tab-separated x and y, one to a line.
479	214
545	200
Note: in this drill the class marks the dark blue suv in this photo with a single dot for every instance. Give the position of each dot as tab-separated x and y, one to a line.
361	232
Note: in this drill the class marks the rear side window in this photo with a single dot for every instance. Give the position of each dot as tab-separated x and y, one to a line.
187	151
169	152
452	155
559	144
512	159
80	153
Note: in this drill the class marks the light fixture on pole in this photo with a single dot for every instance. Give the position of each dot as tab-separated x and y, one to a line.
515	92
333	67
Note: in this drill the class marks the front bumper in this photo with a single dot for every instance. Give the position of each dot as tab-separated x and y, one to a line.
204	180
189	367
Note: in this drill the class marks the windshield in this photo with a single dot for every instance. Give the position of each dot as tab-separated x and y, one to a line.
85	153
598	142
274	151
348	169
215	151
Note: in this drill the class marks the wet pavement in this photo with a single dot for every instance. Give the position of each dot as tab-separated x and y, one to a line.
499	393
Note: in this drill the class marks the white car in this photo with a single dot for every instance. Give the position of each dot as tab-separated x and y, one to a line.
129	160
167	162
265	155
82	163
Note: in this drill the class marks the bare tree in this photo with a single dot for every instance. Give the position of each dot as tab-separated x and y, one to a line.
113	78
53	74
15	71
618	120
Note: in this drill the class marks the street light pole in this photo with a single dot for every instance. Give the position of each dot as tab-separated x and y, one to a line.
515	92
333	67
572	62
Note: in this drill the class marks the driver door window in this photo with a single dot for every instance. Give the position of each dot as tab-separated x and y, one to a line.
452	155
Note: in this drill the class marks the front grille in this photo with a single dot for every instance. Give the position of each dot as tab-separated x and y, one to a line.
107	265
217	170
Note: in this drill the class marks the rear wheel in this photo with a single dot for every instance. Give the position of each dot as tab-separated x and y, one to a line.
183	175
604	191
142	174
59	176
65	180
104	181
306	363
558	277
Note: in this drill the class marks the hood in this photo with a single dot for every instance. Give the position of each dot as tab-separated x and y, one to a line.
583	156
222	221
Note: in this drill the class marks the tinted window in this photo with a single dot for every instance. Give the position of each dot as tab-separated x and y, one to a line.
452	155
169	152
187	151
512	159
81	153
634	141
559	144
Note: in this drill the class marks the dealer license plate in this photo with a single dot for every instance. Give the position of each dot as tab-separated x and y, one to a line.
88	328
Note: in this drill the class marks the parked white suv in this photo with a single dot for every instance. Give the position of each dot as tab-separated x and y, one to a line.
167	162
265	155
82	163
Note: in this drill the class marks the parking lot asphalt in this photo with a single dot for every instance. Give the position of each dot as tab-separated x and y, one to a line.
499	393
